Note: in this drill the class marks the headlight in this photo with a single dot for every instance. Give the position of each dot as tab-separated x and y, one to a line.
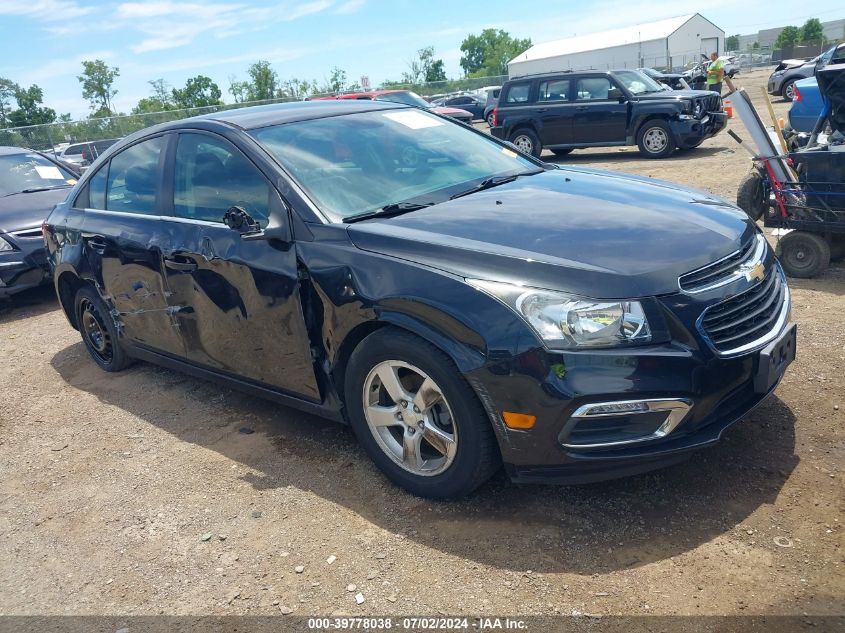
5	247
563	321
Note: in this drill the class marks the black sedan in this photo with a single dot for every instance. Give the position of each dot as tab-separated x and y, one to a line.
31	184
461	305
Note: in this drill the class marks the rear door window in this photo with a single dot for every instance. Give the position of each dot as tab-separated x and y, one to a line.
518	93
554	90
133	181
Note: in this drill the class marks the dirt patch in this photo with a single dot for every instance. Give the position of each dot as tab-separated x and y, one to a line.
137	493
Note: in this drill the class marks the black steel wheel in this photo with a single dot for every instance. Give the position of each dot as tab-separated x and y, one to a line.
98	331
751	195
803	255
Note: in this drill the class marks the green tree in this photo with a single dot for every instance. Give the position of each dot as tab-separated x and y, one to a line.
336	82
424	68
238	89
97	80
297	88
732	43
160	101
30	110
488	54
199	91
789	36
7	94
756	46
812	31
161	90
263	81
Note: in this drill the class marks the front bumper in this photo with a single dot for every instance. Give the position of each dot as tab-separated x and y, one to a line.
689	132
774	84
718	392
23	268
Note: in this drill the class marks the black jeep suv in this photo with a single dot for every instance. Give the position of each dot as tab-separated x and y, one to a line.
574	110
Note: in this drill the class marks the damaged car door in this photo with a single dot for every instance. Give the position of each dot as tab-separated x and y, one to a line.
236	298
123	242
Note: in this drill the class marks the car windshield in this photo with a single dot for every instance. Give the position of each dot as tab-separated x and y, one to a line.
637	83
355	164
28	170
405	97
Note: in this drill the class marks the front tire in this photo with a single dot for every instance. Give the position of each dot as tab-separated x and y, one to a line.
655	139
787	91
417	418
751	195
803	255
527	142
98	330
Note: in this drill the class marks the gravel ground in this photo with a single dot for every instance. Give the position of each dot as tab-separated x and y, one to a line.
136	493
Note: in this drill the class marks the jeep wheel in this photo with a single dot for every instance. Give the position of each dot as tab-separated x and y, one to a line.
526	141
655	139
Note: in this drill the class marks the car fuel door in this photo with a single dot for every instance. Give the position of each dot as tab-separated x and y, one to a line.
237	299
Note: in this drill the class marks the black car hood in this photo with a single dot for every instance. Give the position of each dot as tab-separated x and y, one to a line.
597	234
26	210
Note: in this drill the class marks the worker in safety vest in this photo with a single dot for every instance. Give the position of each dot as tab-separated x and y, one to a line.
715	73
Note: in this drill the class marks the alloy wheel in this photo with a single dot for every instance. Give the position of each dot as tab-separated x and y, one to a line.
789	91
410	418
655	140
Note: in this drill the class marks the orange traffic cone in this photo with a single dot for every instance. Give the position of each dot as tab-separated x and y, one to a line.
729	108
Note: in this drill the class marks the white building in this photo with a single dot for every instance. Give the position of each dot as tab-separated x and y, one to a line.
668	43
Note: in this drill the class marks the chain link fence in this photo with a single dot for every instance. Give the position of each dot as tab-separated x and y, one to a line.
53	137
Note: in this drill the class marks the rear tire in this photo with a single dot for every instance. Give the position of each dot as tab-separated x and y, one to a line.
751	195
803	255
562	152
655	139
490	119
527	142
443	449
98	330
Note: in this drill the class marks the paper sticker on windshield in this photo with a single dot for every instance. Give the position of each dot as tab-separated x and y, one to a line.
49	172
413	120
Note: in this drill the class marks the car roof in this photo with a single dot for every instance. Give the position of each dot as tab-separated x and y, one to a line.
278	113
6	150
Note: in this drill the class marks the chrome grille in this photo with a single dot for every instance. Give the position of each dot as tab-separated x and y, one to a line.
749	319
725	270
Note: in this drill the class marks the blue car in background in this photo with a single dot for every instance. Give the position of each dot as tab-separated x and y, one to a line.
807	105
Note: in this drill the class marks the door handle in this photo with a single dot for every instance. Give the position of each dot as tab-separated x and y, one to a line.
580	108
180	266
541	110
97	245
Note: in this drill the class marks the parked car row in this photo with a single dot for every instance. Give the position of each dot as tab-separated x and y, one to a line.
785	75
83	154
406	97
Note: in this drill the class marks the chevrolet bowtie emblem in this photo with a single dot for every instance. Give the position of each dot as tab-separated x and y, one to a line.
757	271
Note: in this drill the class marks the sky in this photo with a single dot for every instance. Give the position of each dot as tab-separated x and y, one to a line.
44	41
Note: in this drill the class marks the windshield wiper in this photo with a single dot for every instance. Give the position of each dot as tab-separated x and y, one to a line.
493	181
37	189
389	210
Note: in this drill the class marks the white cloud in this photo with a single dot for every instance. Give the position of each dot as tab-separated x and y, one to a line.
136	10
350	6
52	10
308	8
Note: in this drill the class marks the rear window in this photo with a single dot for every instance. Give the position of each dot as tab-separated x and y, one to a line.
518	93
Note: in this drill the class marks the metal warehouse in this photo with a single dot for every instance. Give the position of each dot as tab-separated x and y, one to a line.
670	43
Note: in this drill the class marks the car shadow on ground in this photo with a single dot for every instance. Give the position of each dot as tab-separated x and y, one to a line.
585	529
627	154
29	303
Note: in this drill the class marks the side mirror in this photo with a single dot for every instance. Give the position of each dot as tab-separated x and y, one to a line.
238	219
277	228
615	94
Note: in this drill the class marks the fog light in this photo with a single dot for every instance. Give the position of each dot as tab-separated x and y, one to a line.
519	420
618	407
